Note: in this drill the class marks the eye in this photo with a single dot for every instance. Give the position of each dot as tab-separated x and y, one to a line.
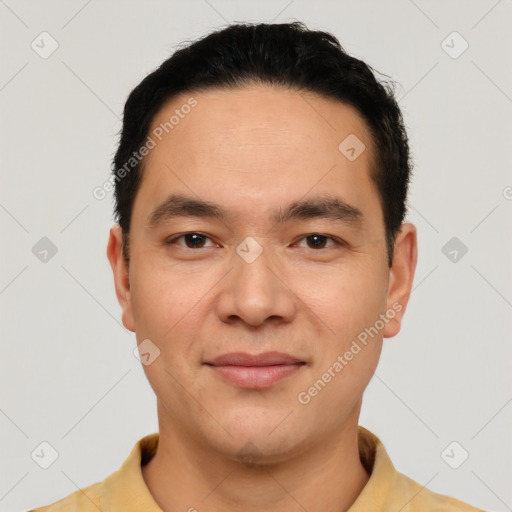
192	241
319	241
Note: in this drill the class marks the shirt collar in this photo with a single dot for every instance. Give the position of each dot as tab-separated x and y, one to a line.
125	489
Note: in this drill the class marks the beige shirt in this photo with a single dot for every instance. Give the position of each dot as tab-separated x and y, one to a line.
387	490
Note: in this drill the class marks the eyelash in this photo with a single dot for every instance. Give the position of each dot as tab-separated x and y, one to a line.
336	241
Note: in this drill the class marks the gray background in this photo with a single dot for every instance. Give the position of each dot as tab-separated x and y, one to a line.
68	374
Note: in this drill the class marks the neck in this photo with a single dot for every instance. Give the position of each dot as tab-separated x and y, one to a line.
184	475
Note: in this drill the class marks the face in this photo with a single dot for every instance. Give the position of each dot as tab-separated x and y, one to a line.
258	270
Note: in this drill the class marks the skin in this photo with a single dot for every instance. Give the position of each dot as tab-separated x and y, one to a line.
254	150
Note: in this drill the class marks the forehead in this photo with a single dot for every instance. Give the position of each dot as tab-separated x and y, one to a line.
260	144
247	119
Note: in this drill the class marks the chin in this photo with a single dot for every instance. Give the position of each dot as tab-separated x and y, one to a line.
258	437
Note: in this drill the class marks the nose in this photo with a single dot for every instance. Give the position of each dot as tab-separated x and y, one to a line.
254	293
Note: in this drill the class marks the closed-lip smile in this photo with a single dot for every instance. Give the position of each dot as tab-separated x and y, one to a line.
255	371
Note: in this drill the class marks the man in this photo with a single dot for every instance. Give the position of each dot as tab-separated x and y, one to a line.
260	258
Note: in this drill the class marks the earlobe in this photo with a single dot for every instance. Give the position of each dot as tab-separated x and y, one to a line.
120	270
401	277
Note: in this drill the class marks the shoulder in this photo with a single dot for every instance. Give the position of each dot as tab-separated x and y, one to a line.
419	498
389	490
86	499
118	491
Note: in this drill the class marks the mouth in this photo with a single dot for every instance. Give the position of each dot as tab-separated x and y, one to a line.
255	371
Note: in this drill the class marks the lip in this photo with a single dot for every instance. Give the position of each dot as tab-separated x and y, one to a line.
245	359
257	371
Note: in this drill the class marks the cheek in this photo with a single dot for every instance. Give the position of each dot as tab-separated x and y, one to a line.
347	298
160	299
169	308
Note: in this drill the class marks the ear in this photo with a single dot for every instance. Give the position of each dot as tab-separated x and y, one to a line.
120	270
401	277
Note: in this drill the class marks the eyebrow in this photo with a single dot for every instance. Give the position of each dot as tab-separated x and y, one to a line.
178	205
323	207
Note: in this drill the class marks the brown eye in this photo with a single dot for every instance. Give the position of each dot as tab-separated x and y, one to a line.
192	240
318	241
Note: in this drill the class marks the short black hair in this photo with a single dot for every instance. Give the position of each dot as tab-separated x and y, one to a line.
283	55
